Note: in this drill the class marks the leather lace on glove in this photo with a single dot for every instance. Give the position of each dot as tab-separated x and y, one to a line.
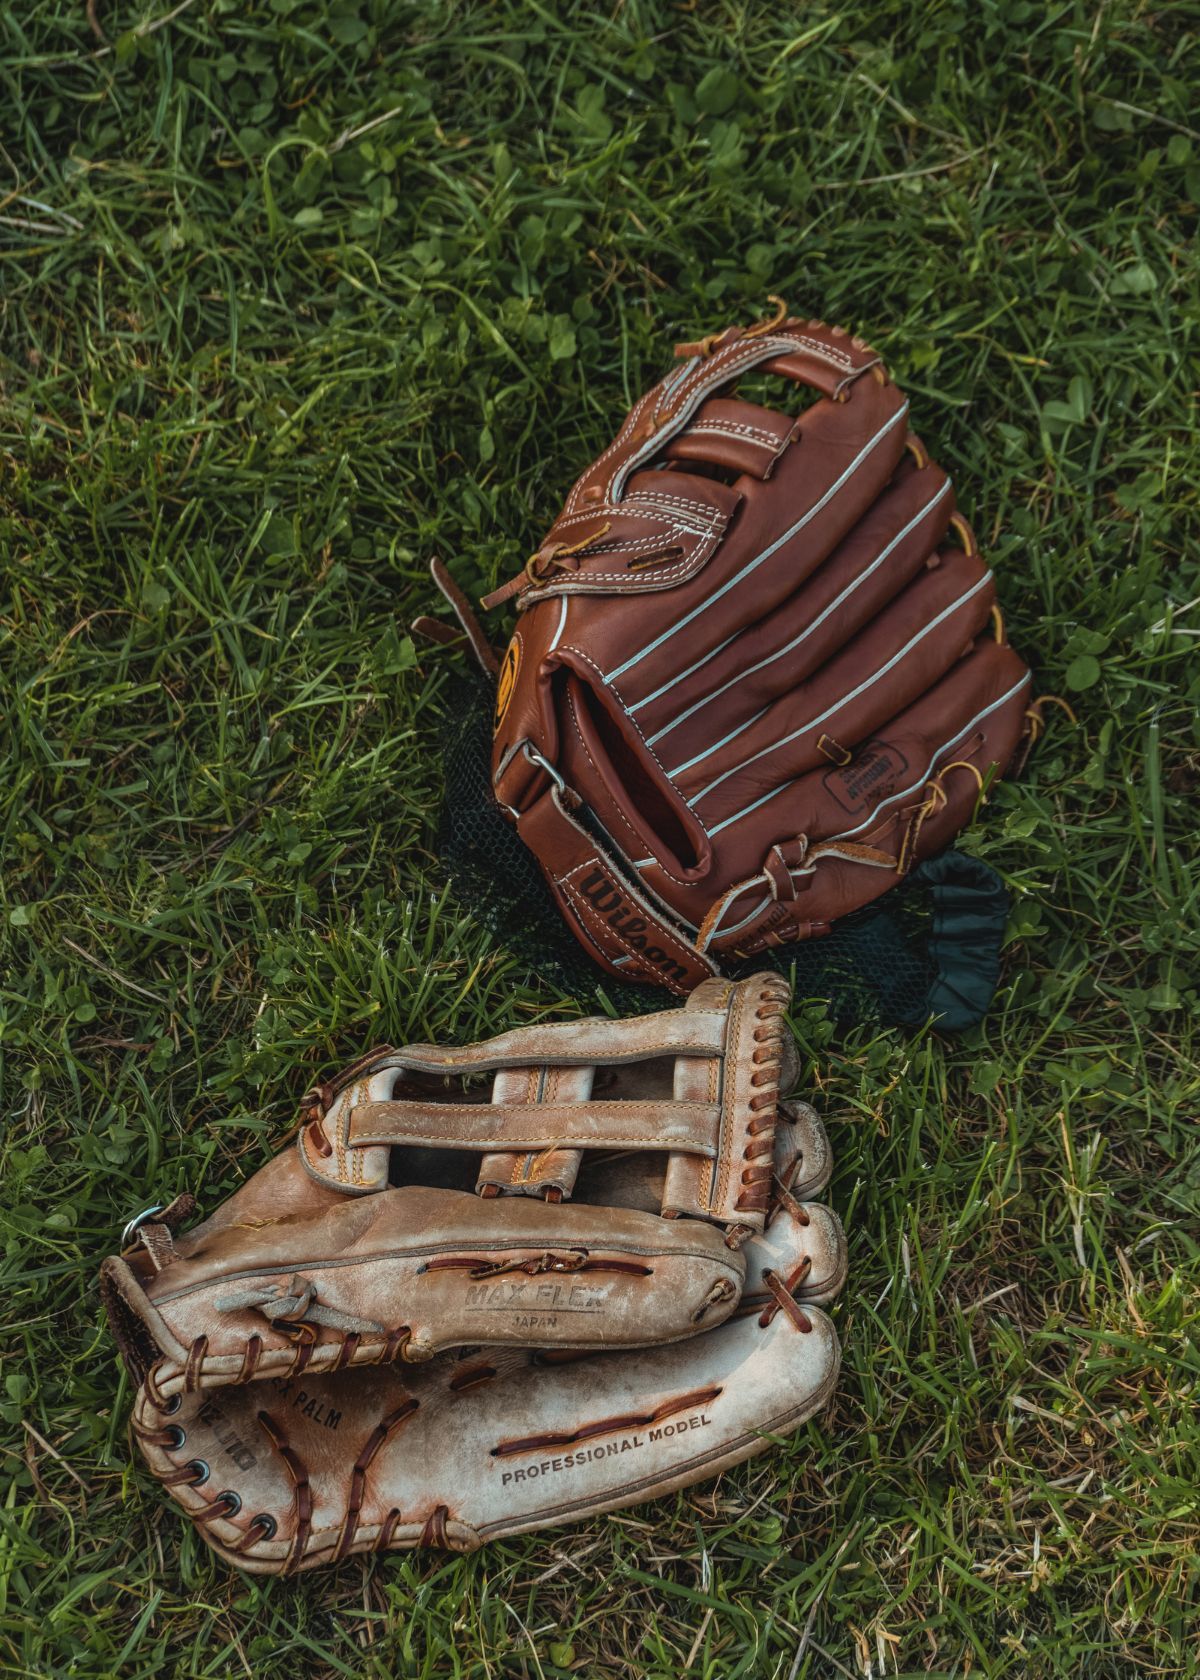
377	1341
759	669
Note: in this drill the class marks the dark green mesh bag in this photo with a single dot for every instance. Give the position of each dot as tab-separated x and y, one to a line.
930	948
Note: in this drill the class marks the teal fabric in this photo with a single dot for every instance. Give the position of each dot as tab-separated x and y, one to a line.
970	909
927	951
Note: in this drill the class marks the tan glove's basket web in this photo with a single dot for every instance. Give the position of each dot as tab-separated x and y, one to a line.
625	1188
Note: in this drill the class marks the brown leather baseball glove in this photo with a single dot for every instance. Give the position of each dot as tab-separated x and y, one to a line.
759	669
571	1188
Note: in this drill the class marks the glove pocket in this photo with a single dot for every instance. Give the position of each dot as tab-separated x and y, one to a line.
293	1474
606	753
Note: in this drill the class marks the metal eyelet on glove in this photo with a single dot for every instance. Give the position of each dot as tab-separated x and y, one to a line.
134	1225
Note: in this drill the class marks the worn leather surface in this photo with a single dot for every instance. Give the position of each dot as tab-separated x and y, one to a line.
293	1472
446	1196
756	673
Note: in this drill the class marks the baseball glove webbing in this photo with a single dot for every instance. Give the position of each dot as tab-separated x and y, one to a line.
482	1277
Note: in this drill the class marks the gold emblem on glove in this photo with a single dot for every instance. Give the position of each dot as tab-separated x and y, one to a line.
508	679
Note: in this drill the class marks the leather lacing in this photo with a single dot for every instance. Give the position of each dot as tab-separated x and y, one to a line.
194	1364
783	1198
474	1377
784	1300
438	631
767	1059
538	568
193	1474
1035	723
260	1528
722	1290
318	1099
358	1476
171	1437
223	1507
705	346
608	1426
935	800
1034	727
227	1504
302	1497
157	1399
316	1137
304	1339
250	1359
577	1260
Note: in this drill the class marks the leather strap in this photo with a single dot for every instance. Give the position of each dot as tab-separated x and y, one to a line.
667	1032
691	1127
535	1172
611	917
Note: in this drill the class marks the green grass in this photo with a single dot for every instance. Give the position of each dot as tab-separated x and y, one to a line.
294	294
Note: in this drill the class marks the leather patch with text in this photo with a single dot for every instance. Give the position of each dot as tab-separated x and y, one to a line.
872	774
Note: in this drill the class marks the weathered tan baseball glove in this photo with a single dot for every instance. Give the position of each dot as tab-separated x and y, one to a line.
585	1186
759	670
